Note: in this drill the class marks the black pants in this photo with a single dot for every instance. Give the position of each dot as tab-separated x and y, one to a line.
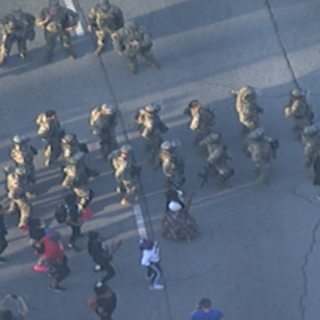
154	272
60	270
76	231
105	265
3	243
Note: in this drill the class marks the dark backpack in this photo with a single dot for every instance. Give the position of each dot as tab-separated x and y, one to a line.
61	213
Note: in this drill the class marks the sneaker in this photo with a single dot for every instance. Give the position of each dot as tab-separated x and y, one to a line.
156	287
56	289
97	268
40	268
2	260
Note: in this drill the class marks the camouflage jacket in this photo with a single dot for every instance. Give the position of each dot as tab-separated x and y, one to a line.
19	28
123	171
110	20
298	109
123	41
149	124
75	176
201	119
63	19
261	151
101	123
22	155
17	186
172	163
217	154
48	130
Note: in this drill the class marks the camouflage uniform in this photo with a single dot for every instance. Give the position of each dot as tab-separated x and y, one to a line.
218	156
311	141
56	19
17	27
202	119
103	122
151	127
131	41
247	108
50	131
76	179
262	150
104	19
23	154
172	165
299	110
126	173
17	188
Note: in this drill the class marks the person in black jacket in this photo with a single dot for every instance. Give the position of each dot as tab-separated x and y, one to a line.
3	233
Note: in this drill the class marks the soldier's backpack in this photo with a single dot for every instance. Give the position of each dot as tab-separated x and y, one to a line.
61	213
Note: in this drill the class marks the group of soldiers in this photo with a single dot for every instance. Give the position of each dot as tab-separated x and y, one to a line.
105	20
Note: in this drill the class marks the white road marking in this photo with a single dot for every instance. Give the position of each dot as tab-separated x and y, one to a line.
140	221
79	30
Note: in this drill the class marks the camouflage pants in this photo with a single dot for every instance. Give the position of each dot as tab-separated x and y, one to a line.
176	180
108	144
84	193
52	152
101	35
8	40
146	54
24	208
51	39
131	188
153	146
263	171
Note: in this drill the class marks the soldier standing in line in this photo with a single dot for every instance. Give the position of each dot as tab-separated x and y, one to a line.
23	154
217	158
131	41
57	22
172	164
103	122
50	131
261	149
18	27
299	110
247	108
151	127
202	119
104	19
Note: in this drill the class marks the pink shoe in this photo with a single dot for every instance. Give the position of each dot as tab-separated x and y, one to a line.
40	268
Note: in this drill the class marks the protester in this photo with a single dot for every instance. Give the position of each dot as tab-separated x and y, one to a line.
204	311
3	233
22	309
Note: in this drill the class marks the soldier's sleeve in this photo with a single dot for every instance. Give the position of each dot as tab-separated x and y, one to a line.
146	38
75	16
117	41
42	16
4	21
92	16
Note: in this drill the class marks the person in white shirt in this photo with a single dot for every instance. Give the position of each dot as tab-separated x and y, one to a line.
150	258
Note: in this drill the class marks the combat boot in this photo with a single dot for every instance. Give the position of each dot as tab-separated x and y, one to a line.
98	51
23	56
3	58
154	65
71	55
125	202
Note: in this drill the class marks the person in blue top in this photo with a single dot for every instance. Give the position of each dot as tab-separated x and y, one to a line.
204	311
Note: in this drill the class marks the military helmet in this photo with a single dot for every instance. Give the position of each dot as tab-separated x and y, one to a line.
296	93
166	145
107	108
54	3
194	103
311	130
50	113
257	133
126	148
246	91
20	170
16	10
20	139
68	138
150	108
205	303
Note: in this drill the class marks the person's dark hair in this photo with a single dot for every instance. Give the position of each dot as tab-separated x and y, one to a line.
7	315
205	303
70	199
50	113
193	103
93	235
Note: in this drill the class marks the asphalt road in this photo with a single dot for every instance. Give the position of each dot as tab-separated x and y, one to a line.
257	256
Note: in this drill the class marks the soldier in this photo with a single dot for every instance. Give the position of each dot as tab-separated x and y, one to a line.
217	159
151	127
131	41
126	173
261	149
105	18
247	108
172	164
23	154
18	192
50	131
76	179
300	111
103	122
57	21
202	119
18	27
311	141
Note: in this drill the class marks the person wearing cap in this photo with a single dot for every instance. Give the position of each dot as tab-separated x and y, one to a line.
17	26
132	41
217	157
57	22
299	110
151	127
18	192
76	179
205	312
261	149
50	131
103	122
177	223
22	153
172	164
104	19
311	142
247	108
126	173
150	258
202	119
